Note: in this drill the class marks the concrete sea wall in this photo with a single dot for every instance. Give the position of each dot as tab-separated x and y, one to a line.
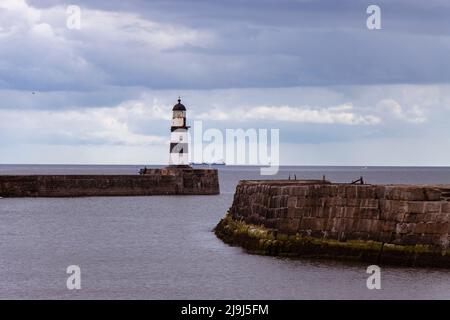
399	224
155	182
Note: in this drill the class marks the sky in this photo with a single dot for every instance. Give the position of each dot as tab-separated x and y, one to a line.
340	93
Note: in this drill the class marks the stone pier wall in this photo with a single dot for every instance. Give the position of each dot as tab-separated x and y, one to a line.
155	182
401	223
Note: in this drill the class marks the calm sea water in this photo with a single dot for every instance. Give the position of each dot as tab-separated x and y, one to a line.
163	247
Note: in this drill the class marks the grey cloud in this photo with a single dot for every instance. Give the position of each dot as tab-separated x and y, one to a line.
255	44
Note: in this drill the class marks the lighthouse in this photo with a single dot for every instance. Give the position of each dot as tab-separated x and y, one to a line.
179	137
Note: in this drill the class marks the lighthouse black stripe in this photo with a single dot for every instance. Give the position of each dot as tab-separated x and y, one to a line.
180	129
178	147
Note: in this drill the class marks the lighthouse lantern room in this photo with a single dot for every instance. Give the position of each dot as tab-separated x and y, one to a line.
179	156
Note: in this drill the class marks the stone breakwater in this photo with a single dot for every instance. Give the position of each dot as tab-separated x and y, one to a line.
169	181
391	224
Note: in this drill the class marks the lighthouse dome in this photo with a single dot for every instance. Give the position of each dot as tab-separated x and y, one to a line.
179	106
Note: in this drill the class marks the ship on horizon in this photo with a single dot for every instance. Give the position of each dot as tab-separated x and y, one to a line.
216	163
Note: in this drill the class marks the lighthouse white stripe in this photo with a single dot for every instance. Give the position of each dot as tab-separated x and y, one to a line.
177	136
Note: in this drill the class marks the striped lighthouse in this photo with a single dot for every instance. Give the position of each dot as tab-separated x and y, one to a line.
179	136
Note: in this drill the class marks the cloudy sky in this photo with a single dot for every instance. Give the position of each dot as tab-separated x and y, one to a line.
340	94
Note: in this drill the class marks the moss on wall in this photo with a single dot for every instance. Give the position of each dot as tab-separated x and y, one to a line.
258	239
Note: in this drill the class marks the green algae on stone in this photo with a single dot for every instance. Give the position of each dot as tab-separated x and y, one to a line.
261	240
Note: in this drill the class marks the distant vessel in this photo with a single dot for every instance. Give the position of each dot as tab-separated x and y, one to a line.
218	163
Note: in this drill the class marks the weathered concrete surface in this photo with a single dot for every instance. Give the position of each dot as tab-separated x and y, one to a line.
402	224
155	182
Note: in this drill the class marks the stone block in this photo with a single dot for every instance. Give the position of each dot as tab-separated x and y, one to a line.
376	226
327	211
389	226
288	226
353	202
364	225
428	217
416	207
306	223
410	218
317	212
441	217
432	194
401	228
366	192
398	206
420	228
436	240
300	213
341	190
369	203
323	191
444	241
301	202
411	193
338	212
441	228
292	202
334	225
292	212
430	227
333	190
278	191
432	207
318	224
314	192
334	202
369	213
307	212
320	202
302	191
420	217
380	192
314	202
349	224
385	205
350	212
271	213
445	206
351	192
385	236
283	200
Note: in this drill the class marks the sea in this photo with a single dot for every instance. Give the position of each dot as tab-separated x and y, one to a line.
163	247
